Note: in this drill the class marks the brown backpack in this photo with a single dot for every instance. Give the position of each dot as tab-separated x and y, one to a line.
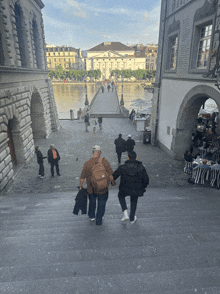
99	178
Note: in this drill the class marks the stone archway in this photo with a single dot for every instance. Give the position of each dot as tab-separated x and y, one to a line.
186	119
37	116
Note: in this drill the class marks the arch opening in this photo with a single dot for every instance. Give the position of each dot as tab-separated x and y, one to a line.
197	121
36	41
37	116
2	57
20	33
15	141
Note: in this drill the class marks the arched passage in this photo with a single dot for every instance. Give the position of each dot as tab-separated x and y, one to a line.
187	115
37	116
15	143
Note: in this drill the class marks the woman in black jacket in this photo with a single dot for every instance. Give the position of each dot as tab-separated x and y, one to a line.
40	162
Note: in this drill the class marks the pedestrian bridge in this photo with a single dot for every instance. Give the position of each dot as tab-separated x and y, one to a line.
107	104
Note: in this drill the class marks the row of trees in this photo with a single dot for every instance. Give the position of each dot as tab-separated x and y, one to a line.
79	75
140	74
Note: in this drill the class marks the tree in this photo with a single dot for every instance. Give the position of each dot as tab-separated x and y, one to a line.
139	74
51	74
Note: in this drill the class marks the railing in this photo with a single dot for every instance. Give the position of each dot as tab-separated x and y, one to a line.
93	99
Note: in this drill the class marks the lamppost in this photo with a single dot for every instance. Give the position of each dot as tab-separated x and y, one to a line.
122	100
86	100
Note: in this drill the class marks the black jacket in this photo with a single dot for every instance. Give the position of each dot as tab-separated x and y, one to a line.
50	156
81	202
40	157
120	145
134	178
130	144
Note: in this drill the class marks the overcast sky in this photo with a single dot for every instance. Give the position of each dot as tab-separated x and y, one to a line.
85	24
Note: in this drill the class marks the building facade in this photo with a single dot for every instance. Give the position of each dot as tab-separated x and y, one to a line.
188	58
27	105
67	57
151	56
109	56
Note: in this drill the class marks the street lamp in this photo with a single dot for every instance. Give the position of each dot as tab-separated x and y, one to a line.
122	100
218	79
86	100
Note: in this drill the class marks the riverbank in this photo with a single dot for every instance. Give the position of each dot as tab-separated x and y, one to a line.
93	83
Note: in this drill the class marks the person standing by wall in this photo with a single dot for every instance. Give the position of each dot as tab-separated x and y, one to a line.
40	159
134	181
86	120
53	158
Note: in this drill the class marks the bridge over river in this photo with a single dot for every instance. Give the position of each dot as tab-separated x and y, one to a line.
107	104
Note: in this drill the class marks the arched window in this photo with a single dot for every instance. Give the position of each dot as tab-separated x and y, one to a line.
20	33
37	50
2	57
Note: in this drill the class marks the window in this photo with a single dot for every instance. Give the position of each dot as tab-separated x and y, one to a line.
204	46
54	59
173	52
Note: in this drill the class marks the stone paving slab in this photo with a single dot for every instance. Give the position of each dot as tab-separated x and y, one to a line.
74	146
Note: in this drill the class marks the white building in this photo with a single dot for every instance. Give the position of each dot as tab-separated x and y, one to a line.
110	56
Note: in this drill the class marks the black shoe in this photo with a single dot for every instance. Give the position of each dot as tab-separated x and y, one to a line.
52	175
59	175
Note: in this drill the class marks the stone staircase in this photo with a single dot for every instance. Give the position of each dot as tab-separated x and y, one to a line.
172	248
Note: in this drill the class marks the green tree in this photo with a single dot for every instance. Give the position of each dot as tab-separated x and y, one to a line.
51	74
127	73
139	74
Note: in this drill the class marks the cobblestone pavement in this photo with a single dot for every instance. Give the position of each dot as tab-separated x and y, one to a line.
75	147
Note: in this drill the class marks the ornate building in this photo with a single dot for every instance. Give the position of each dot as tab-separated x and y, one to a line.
110	56
67	57
187	64
27	105
151	56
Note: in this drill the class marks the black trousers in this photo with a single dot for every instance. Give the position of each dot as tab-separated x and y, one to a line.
52	167
133	201
119	157
41	169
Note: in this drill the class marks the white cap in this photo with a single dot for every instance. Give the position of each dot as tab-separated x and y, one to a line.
96	148
129	135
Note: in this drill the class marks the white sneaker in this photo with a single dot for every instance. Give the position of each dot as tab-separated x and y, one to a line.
92	219
135	218
125	217
42	177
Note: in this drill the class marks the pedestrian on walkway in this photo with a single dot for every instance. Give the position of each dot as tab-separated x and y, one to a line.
134	181
98	174
86	120
53	159
100	121
130	143
79	113
103	89
94	123
40	161
109	87
120	146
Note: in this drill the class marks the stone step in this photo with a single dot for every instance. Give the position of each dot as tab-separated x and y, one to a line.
108	115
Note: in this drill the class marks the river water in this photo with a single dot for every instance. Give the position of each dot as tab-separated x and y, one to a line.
72	96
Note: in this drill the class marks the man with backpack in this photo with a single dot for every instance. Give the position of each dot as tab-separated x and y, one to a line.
134	181
98	174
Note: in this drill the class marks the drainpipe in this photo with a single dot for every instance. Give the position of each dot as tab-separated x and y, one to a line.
161	66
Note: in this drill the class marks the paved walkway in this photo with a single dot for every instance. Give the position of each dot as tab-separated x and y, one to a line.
106	103
75	147
173	248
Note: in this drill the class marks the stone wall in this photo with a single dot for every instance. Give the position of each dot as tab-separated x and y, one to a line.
27	104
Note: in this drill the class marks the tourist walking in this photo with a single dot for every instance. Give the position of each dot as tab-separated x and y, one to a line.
86	120
120	146
98	174
53	158
108	87
130	143
79	113
134	181
94	123
40	161
100	121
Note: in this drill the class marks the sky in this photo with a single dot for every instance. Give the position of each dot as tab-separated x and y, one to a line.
85	24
